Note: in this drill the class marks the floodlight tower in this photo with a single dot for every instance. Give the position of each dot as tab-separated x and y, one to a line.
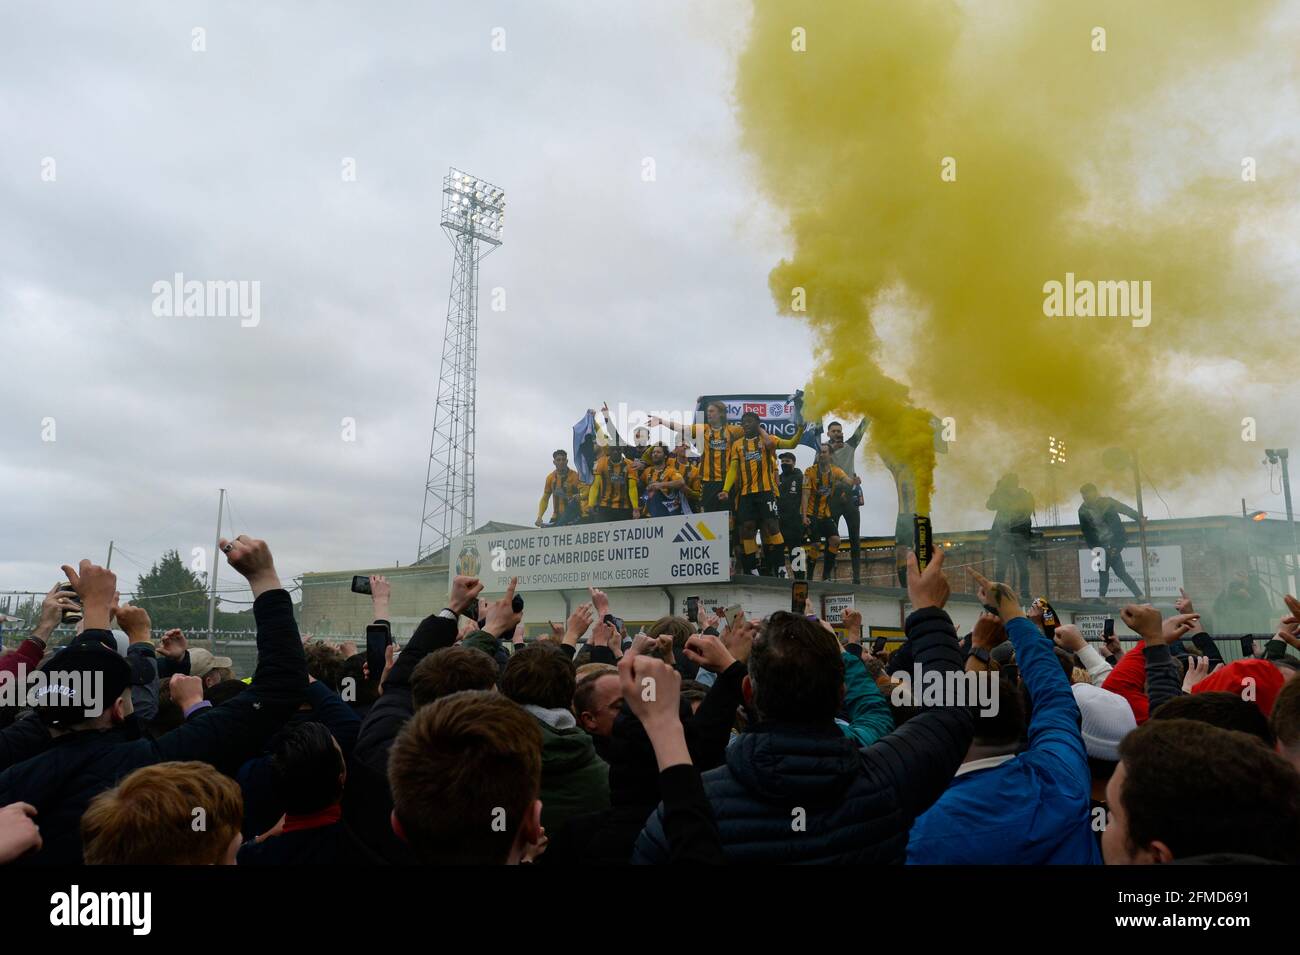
473	217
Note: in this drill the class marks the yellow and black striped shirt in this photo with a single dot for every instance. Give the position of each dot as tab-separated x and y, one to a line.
715	445
819	488
753	464
614	485
559	492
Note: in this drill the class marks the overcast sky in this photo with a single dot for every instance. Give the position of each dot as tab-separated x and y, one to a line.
226	165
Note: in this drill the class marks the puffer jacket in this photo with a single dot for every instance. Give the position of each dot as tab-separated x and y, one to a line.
792	793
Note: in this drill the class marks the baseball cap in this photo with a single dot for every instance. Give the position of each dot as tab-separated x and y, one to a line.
1255	681
786	454
1107	719
202	662
81	681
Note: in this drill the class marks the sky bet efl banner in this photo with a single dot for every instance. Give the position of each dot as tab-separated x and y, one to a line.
690	548
778	413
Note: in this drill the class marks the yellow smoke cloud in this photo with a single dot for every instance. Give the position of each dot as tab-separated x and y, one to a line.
1112	165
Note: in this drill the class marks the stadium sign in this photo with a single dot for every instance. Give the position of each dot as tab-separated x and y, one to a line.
689	548
779	414
1165	565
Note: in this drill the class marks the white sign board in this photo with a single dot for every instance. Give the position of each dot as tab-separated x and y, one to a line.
687	549
834	605
1091	624
1164	563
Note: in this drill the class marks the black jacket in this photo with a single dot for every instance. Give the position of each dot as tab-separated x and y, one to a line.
636	785
367	800
334	844
854	805
77	767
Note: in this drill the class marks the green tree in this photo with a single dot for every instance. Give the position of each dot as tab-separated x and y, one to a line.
174	595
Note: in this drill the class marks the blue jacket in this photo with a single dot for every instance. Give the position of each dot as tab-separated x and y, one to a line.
1032	809
869	715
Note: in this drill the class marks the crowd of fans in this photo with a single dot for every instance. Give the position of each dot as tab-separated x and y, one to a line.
773	740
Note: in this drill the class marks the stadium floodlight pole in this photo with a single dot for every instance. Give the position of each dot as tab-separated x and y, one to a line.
473	218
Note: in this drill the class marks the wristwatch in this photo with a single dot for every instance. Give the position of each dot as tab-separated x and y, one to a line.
981	654
448	613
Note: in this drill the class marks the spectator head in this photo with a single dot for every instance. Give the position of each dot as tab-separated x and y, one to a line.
560	459
465	774
787	460
365	688
224	692
539	675
658	455
209	668
326	663
1001	729
151	818
1227	711
835	431
796	671
1106	719
1185	788
641	437
307	769
823	455
615	454
587	669
451	670
86	686
1285	723
750	423
1255	681
597	701
1089	493
679	628
694	692
715	413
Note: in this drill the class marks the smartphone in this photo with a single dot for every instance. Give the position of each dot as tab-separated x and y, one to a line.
732	614
878	645
377	640
472	610
360	584
517	605
693	609
799	596
1108	628
71	616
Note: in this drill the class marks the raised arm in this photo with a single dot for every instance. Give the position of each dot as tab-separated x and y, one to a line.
227	735
919	758
1129	677
1127	511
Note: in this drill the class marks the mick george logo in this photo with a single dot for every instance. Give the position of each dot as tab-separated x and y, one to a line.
211	299
77	908
693	533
